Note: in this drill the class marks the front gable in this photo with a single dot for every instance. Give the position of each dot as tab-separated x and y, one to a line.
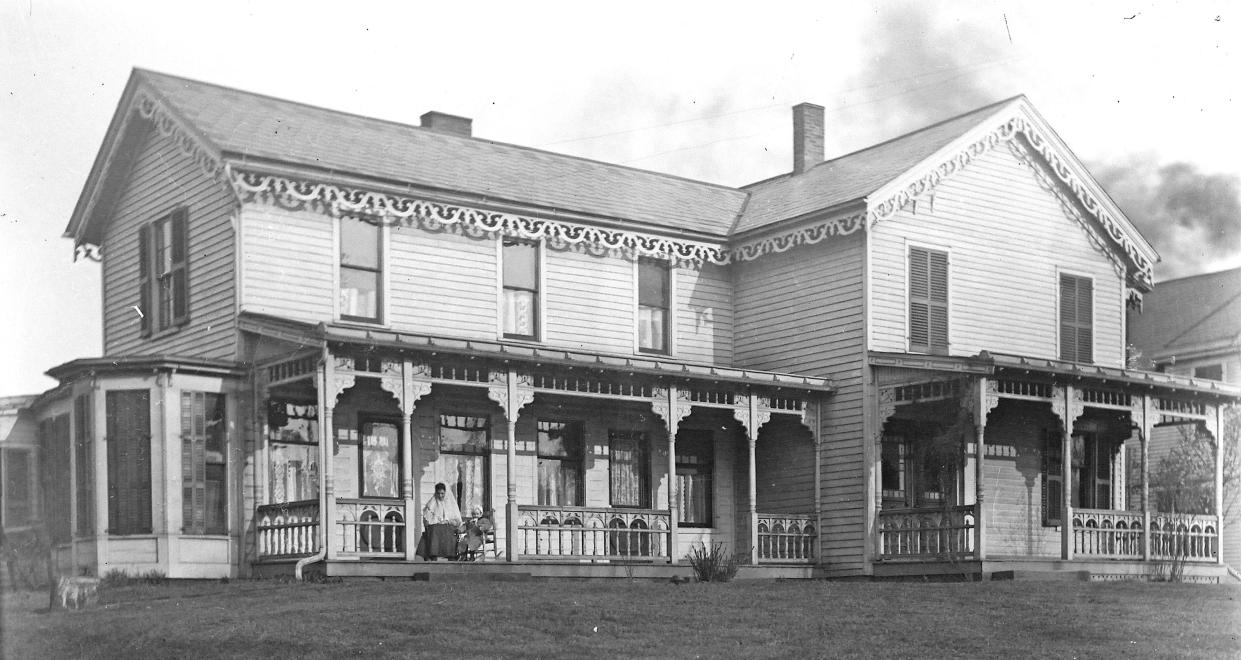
1009	234
1018	125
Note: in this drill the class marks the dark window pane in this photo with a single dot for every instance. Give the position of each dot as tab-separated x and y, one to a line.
653	284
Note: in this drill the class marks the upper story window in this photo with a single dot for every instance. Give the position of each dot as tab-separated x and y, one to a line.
654	306
162	273
521	289
1076	319
928	301
361	270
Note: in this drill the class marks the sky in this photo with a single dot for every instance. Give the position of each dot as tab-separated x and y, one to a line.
1145	94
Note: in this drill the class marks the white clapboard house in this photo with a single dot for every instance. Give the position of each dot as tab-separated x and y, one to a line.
907	360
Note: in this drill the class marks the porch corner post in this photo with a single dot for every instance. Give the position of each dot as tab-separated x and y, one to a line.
510	485
673	496
1218	432
327	479
751	429
980	534
817	433
412	513
1066	469
1144	438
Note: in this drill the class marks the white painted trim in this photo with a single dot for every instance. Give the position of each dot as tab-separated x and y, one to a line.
335	293
500	307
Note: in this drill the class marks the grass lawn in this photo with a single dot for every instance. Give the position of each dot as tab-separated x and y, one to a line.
571	619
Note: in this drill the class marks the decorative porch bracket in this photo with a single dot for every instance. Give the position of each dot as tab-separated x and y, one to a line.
672	405
511	391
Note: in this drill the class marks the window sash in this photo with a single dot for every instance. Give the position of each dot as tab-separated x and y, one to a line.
204	473
628	469
520	276
653	329
360	270
163	280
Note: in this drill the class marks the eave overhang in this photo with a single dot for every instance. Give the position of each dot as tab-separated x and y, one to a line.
145	364
1006	365
353	337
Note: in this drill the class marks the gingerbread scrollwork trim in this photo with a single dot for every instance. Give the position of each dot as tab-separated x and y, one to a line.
169	126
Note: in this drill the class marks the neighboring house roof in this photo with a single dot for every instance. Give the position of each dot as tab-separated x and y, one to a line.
1190	316
852	177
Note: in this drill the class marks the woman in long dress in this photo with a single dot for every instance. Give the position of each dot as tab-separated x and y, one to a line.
441	519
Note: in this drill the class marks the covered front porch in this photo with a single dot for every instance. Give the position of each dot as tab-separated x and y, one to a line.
554	457
1000	463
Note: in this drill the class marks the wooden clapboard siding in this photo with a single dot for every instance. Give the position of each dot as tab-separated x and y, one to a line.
162	179
1012	481
784	462
1007	239
288	263
704	314
802	311
589	301
442	283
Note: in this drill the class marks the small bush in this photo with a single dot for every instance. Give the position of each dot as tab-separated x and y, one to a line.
714	564
118	578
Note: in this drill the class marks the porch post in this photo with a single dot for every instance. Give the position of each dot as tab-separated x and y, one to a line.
1218	433
1066	481
412	514
510	510
327	478
980	534
673	497
751	429
1144	437
816	431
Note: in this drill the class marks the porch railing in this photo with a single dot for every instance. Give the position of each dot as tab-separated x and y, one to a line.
370	527
786	537
927	534
596	534
1184	536
1120	535
1107	534
287	529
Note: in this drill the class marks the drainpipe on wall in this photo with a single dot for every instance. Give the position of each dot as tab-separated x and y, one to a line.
325	454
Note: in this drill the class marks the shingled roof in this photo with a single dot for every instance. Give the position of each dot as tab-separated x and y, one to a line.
1188	315
247	125
852	177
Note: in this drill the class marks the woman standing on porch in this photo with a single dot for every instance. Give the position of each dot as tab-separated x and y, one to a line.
442	518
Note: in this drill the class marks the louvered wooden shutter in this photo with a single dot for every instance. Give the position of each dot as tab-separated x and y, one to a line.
129	461
928	300
180	271
144	279
1076	319
1053	478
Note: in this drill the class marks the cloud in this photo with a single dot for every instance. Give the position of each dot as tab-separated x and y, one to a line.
1192	218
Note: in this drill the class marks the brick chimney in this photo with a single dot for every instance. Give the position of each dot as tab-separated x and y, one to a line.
442	122
807	136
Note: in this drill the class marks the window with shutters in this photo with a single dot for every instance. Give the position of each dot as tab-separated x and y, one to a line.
629	469
163	277
654	306
19	488
361	270
204	463
928	301
521	289
55	452
128	438
1076	319
84	463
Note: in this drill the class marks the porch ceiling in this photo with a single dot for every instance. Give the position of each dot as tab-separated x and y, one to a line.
329	334
999	364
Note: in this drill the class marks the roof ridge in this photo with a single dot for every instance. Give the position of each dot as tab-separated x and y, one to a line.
393	122
1183	278
902	136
